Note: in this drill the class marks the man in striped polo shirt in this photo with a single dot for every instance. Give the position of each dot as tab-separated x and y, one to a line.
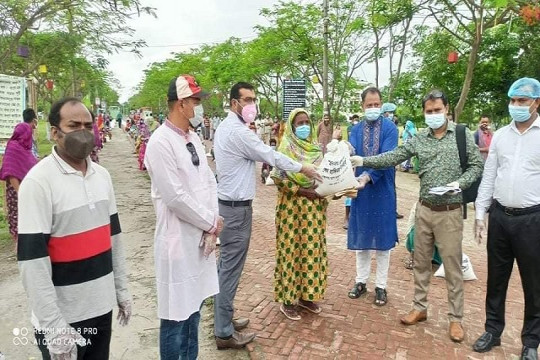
69	251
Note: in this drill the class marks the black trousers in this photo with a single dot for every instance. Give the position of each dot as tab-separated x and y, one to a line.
513	237
96	331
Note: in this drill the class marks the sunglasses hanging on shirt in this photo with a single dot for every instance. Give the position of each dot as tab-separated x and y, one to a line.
193	152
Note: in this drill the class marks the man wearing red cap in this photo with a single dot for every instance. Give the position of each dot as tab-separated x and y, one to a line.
185	201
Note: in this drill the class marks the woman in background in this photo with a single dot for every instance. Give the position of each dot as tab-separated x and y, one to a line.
17	162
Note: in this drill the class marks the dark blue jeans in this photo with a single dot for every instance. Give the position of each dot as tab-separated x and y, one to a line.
179	340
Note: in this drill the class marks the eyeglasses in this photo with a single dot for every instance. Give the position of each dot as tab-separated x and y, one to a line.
193	152
249	100
434	94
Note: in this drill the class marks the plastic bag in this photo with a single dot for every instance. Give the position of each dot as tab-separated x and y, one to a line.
466	267
336	170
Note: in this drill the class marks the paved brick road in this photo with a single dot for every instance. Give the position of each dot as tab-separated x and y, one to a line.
357	329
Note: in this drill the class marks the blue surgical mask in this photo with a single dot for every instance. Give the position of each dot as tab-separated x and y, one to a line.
273	147
303	131
372	114
519	113
435	121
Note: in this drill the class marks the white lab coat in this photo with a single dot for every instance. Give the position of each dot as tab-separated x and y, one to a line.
185	201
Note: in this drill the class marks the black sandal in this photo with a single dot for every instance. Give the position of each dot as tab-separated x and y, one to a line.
358	290
381	297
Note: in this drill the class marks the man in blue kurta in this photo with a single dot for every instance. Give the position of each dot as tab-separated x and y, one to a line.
372	224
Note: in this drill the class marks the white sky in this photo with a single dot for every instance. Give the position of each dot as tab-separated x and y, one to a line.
182	25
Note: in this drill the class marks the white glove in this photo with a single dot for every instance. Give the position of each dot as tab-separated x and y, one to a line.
479	229
124	312
64	345
363	180
357	161
219	225
208	243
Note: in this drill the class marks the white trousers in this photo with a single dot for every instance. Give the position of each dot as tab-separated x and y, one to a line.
363	267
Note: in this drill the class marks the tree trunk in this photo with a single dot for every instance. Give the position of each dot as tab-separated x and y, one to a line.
395	80
377	48
470	71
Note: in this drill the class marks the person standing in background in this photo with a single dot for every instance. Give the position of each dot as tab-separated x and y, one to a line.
483	136
29	117
324	132
16	163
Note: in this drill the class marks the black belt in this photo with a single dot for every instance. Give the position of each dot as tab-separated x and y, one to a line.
447	207
235	203
517	211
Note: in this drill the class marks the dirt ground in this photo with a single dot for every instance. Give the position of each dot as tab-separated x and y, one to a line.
139	340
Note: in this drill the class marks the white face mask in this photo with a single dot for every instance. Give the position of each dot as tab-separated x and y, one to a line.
197	118
372	114
435	121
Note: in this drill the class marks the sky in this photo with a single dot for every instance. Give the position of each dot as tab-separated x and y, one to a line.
181	25
184	24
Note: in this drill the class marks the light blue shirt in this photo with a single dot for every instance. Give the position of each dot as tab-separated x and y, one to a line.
236	149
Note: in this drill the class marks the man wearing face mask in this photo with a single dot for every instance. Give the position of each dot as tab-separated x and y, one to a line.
510	192
372	221
70	254
188	222
237	149
439	218
388	110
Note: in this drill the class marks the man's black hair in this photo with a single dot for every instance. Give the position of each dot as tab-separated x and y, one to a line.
235	90
371	90
54	115
29	115
434	95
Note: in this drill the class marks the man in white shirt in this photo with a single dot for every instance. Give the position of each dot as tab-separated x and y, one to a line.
185	201
510	192
237	148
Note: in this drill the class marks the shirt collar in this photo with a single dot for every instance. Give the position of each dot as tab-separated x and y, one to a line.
177	130
65	168
536	123
450	126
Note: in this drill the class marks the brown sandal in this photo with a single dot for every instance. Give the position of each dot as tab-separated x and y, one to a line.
310	306
290	312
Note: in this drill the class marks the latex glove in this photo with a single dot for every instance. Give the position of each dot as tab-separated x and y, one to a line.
208	243
357	161
124	312
64	345
311	172
363	181
219	225
479	229
453	184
